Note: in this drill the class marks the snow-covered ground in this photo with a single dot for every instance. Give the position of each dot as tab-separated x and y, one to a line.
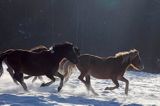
144	90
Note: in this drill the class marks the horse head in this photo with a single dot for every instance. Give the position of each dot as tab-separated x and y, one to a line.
68	51
77	50
135	60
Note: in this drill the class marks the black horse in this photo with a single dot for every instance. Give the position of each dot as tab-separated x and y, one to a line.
37	64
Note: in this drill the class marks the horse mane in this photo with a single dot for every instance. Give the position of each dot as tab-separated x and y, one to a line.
119	54
62	45
38	47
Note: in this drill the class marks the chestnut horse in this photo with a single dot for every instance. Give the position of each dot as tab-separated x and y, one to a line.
37	64
112	67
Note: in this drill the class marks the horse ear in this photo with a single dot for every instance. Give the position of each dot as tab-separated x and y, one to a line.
134	50
51	48
137	51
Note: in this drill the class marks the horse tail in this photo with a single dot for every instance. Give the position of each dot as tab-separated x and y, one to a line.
70	71
68	66
3	55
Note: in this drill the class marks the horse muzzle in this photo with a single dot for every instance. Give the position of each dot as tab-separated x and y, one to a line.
141	67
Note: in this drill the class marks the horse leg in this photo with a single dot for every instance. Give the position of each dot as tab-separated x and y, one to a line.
48	83
115	81
88	84
61	82
34	79
41	78
127	84
26	77
10	70
82	75
19	78
81	78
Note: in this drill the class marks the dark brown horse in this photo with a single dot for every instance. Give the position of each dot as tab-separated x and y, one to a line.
37	49
63	65
37	64
112	68
66	67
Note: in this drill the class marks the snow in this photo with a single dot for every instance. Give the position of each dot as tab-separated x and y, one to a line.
144	90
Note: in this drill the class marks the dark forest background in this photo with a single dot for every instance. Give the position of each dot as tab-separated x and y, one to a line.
99	27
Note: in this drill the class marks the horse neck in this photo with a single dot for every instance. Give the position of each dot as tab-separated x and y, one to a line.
127	62
58	56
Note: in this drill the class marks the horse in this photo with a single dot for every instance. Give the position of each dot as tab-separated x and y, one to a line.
63	65
66	67
38	48
62	69
37	64
112	67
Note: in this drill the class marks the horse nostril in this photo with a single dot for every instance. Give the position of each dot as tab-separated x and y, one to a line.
142	67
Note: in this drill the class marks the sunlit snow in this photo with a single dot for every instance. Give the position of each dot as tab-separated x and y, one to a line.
144	89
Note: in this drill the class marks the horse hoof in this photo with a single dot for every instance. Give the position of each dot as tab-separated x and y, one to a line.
107	88
126	93
96	94
43	85
59	88
26	90
16	83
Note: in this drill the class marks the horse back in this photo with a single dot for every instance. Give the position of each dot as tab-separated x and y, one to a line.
30	62
88	62
39	48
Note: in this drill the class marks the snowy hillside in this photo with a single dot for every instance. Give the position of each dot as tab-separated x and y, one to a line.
144	89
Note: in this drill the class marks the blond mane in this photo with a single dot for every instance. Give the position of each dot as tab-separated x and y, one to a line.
38	47
121	53
124	53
